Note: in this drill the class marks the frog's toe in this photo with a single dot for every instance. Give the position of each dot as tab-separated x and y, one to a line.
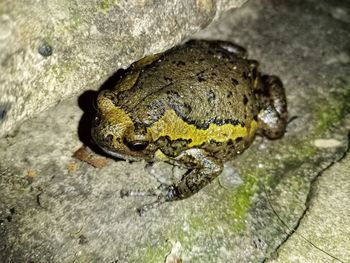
126	193
147	207
163	193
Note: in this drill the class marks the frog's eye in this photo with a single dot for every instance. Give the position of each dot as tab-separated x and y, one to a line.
136	145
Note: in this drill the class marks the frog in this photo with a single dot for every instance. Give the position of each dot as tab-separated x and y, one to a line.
195	106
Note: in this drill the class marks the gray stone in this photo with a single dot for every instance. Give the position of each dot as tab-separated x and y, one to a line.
54	208
325	228
51	50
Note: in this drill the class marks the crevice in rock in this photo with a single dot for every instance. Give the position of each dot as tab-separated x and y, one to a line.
293	230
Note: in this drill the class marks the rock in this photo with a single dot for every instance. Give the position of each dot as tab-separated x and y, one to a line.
323	233
51	50
55	208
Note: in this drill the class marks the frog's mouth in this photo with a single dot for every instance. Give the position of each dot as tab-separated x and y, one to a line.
101	143
119	155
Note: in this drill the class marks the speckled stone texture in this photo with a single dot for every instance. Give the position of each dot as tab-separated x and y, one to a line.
55	208
326	223
51	50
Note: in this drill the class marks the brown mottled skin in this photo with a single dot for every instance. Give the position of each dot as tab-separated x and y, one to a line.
195	105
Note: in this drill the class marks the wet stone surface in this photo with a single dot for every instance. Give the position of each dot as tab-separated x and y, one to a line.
55	208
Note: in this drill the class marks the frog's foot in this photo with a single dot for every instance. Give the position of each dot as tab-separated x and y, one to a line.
147	207
160	193
204	169
292	118
127	193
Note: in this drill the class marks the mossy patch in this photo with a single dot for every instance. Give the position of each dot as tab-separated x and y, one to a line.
60	72
105	5
333	109
240	202
155	253
75	17
231	209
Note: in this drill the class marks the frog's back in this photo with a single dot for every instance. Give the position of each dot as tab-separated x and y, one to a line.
196	94
201	85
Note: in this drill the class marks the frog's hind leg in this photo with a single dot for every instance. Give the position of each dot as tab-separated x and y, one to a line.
273	116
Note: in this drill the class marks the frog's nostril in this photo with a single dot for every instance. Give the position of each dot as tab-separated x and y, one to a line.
109	139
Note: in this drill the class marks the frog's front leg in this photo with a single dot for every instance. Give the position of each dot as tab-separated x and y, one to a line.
202	170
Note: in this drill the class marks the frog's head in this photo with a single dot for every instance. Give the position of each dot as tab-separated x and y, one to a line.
115	132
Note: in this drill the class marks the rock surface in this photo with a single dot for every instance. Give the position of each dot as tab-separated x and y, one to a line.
54	208
51	50
326	223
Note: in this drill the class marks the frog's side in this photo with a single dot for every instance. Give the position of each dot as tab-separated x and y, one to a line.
195	106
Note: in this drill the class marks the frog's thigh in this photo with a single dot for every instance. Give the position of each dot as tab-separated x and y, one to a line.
275	91
273	116
204	170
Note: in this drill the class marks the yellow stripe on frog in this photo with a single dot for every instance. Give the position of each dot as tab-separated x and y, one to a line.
175	128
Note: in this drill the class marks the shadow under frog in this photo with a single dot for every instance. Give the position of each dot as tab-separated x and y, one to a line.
87	103
196	106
